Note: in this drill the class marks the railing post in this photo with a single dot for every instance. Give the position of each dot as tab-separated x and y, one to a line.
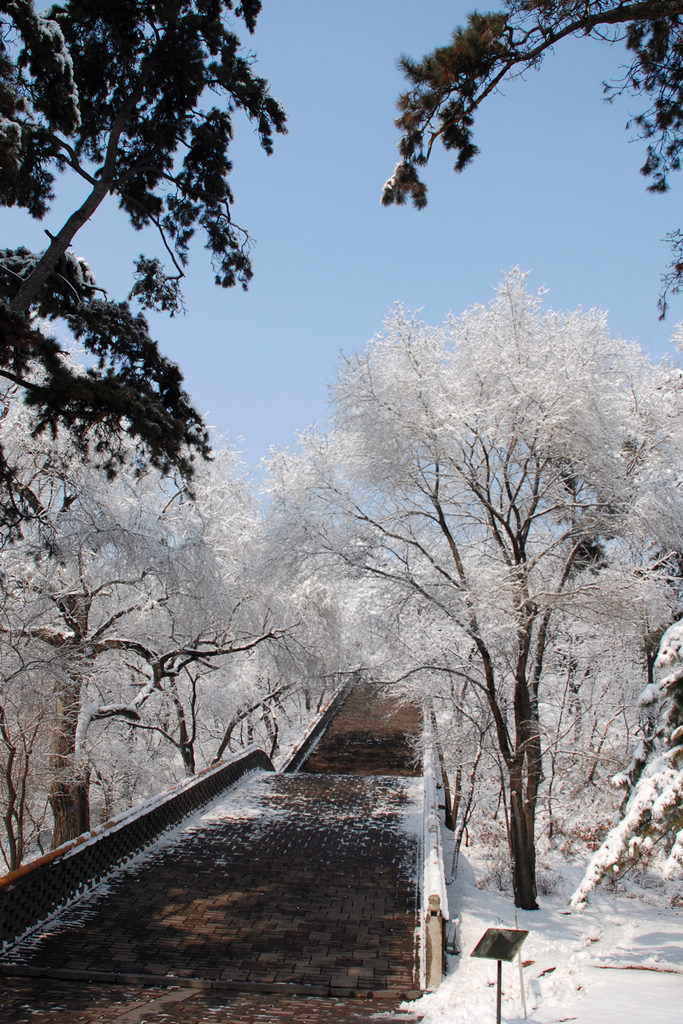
435	943
434	894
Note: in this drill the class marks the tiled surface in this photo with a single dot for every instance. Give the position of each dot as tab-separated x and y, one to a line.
305	881
299	879
56	1002
373	734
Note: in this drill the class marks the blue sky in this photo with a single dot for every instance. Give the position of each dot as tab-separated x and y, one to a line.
556	190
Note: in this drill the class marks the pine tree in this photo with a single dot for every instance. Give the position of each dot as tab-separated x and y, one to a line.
136	98
448	85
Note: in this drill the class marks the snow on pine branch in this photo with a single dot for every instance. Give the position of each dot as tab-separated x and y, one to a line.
654	812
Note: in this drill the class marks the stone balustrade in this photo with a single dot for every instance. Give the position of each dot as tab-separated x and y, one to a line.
34	891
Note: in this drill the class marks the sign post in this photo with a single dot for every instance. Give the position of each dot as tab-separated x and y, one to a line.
499	944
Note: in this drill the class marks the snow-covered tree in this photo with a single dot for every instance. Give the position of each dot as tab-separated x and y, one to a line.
119	597
498	477
25	723
652	822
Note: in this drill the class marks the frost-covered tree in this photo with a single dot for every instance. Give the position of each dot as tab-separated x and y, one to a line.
498	477
118	597
449	85
652	821
136	99
25	719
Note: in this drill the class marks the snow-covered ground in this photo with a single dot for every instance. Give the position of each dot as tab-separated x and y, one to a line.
618	961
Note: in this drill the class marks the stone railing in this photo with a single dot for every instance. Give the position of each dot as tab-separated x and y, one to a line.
435	913
34	891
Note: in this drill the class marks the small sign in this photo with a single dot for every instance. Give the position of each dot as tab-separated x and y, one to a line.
500	944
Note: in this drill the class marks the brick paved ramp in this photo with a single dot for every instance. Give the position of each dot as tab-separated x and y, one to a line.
277	903
301	881
372	734
61	1002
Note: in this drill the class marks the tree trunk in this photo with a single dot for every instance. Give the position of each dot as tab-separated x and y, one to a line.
272	730
522	842
69	787
70	806
12	817
523	751
185	740
187	755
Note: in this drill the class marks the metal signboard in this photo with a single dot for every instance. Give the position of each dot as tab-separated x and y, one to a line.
500	943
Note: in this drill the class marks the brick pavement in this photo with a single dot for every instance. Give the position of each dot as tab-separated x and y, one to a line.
371	735
62	1002
288	889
